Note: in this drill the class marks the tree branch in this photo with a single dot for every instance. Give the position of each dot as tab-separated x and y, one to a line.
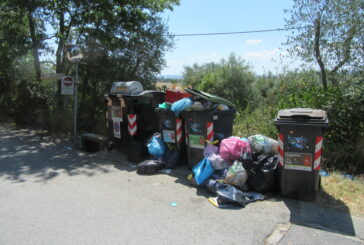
318	53
347	48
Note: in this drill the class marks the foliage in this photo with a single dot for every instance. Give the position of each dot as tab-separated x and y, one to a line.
331	34
121	40
230	79
344	104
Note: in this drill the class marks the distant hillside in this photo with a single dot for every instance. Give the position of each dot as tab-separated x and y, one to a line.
170	77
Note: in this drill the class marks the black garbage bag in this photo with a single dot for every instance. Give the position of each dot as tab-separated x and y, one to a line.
171	158
150	166
262	171
228	195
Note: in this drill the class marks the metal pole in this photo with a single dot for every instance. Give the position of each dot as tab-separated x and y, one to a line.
75	105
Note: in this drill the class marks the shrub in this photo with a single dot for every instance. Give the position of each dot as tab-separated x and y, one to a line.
344	104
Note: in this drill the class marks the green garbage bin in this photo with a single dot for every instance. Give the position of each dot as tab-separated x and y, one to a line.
205	125
300	149
173	133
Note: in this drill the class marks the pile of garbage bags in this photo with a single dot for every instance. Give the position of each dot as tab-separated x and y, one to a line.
238	170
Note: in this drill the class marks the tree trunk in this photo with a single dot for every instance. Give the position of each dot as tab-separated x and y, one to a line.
35	45
60	115
318	53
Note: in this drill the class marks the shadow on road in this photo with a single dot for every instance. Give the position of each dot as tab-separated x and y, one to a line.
322	214
26	153
29	154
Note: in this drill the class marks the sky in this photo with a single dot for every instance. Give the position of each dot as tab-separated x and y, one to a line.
261	50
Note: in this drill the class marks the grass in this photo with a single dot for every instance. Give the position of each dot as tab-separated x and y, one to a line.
342	193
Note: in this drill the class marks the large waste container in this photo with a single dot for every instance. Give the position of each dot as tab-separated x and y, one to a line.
205	125
131	116
300	149
172	131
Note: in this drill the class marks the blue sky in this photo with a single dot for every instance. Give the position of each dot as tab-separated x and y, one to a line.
206	16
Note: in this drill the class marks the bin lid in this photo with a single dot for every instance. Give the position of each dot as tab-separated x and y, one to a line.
210	97
149	94
302	113
126	88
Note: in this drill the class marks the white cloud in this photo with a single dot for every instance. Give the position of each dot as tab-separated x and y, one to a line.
265	54
253	41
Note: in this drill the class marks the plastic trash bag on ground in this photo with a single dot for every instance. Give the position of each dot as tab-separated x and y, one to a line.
262	172
218	175
263	144
228	195
156	146
181	105
217	162
236	175
231	148
150	166
202	171
210	149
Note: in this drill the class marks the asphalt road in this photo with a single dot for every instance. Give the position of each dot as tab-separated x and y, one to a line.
52	194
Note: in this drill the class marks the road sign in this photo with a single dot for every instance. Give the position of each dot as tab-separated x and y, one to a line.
116	125
52	76
67	85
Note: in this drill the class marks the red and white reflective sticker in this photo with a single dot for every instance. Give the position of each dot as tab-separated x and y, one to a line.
132	124
179	129
210	131
280	149
318	153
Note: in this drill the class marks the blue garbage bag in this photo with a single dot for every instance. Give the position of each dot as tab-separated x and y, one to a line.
156	147
202	171
181	105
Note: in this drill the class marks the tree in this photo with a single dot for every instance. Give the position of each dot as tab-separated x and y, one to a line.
14	43
330	34
231	78
121	39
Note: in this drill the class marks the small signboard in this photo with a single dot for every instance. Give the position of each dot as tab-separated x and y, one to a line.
67	85
298	161
197	141
117	113
116	126
169	136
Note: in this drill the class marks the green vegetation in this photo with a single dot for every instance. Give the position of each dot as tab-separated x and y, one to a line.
336	190
121	40
231	78
331	36
127	40
266	95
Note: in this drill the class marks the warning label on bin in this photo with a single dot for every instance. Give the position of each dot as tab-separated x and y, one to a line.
116	126
197	141
298	161
169	136
116	113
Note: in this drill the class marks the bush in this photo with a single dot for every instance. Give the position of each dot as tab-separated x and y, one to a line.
344	104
